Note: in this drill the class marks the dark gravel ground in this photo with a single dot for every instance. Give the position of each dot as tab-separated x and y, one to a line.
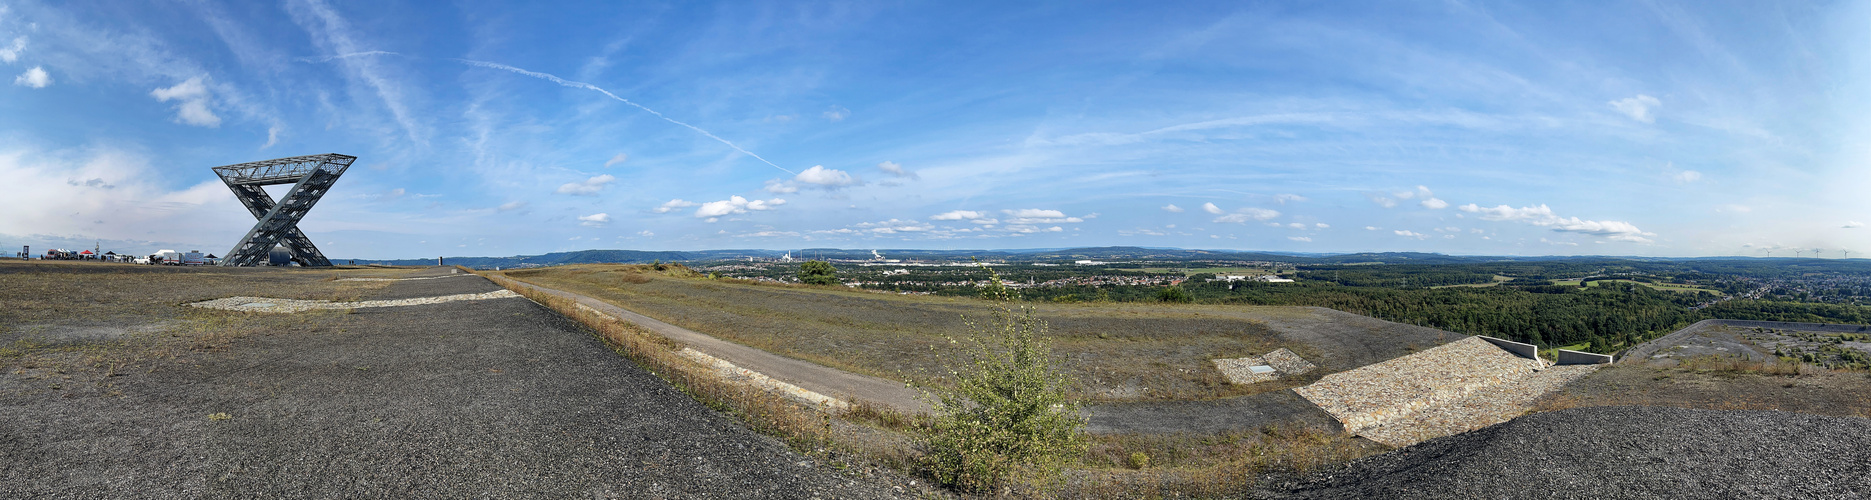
1617	452
498	398
1283	407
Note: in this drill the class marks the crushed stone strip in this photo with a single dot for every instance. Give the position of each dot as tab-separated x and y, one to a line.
1482	408
270	305
1378	394
406	279
1283	361
729	371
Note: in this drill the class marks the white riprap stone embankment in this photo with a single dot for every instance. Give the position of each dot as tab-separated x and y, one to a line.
268	305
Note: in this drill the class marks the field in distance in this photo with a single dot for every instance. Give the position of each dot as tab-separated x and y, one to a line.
1116	351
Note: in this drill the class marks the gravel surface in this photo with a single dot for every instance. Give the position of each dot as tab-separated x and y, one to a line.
1216	415
1617	452
495	398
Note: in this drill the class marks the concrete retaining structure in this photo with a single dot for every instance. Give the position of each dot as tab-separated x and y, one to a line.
1528	351
1568	357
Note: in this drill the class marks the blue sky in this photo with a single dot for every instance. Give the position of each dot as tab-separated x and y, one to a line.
1528	128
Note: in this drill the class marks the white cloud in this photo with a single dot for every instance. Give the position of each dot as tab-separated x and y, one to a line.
672	205
1543	216
1370	228
510	206
1688	176
1211	208
11	53
892	168
1411	234
959	215
837	113
192	102
1283	198
735	205
830	178
1246	214
587	187
1299	238
594	220
1296	225
777	186
35	77
894	226
615	160
1435	204
1854	225
1638	108
1039	216
1558	243
1381	200
645	233
1172	208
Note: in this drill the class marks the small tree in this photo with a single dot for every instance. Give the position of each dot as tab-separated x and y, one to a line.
1008	408
1173	294
818	272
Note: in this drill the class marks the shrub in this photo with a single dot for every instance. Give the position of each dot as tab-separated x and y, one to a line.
1007	411
1138	460
1173	294
818	272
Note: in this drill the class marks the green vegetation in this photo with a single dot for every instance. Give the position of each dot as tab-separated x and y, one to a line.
1007	410
1173	294
818	272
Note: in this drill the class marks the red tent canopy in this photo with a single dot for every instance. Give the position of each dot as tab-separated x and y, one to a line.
86	252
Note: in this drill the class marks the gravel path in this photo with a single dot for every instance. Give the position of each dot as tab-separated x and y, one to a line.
493	398
1617	452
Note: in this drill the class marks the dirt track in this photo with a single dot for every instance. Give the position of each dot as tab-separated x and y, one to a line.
498	398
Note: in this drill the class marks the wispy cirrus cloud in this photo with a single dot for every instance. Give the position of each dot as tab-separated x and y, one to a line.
587	187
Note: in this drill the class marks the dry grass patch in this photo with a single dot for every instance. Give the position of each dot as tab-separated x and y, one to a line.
79	324
1133	352
1205	465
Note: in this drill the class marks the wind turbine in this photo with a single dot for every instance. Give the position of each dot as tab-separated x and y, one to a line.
1848	254
1796	253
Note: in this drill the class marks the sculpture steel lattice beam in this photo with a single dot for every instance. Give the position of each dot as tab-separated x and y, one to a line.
310	176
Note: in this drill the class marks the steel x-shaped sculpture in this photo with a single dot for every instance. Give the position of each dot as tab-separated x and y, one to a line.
311	176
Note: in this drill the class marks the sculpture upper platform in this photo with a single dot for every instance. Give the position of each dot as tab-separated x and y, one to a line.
282	170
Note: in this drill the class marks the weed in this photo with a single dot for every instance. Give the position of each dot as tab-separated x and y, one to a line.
1007	411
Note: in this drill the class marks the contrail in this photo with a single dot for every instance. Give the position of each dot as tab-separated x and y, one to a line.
587	86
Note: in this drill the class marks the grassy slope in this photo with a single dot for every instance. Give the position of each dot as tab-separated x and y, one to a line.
1121	351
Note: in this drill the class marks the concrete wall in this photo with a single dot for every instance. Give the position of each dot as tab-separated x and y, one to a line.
1528	351
1582	358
